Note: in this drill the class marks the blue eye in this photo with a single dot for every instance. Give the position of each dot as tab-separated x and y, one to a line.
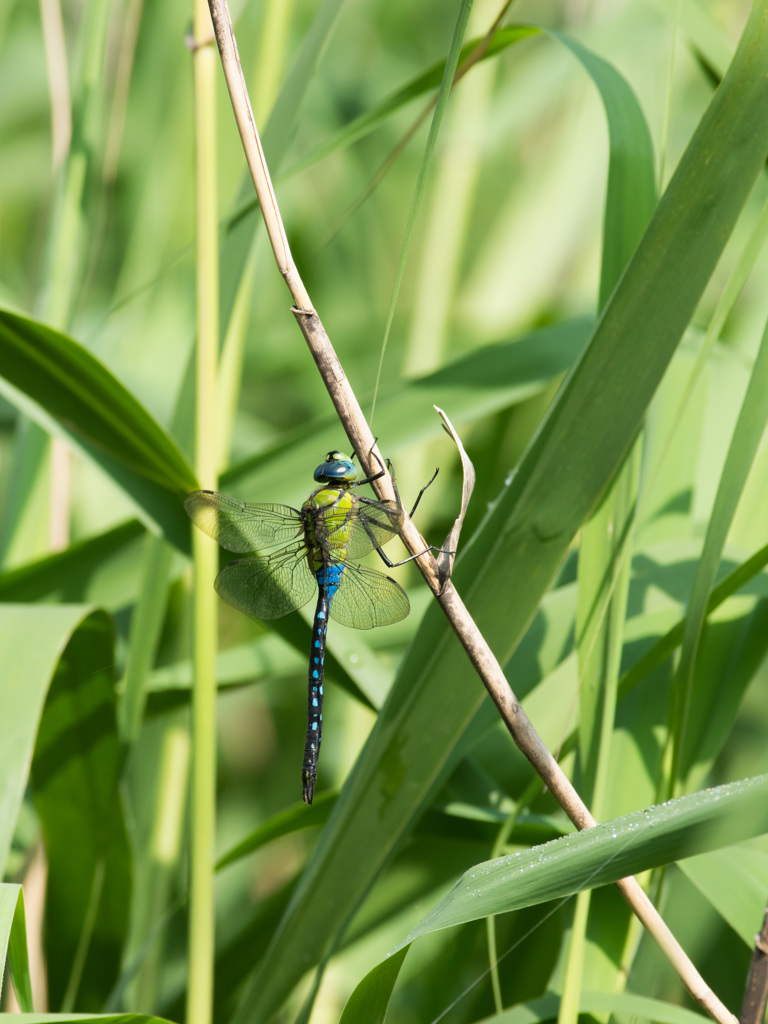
336	468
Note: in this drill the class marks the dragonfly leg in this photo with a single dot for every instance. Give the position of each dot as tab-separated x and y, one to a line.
418	496
429	483
430	547
367	501
394	565
375	476
391	469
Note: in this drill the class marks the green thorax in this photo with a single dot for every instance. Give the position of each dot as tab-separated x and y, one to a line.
334	527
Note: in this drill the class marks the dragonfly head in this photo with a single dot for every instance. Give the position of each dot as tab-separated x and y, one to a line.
336	469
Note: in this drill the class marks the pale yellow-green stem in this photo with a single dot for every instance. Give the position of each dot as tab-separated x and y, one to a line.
499	849
204	551
164	853
270	61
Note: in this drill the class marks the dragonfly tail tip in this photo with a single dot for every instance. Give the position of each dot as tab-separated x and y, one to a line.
308	781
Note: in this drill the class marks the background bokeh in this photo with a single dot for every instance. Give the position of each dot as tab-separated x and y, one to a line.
97	240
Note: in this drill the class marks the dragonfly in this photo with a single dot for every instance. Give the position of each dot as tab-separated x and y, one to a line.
297	552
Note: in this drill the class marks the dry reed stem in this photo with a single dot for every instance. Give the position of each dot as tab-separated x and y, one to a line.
358	431
756	989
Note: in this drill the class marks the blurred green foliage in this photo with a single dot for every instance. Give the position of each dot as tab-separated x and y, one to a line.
517	247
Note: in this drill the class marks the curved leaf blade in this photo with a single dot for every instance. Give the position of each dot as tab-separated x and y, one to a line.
65	389
368	1003
690	825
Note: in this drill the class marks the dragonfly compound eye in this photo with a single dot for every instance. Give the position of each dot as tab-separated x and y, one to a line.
336	468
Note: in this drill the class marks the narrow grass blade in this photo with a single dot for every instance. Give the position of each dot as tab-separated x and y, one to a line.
741	453
706	35
605	547
146	625
631	190
426	82
13	939
630	200
451	63
282	824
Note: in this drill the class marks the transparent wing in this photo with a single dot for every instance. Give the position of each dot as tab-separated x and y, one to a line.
367	598
240	526
359	529
269	586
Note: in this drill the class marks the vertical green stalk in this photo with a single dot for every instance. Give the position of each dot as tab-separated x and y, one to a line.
146	625
743	447
203	802
165	847
605	556
270	63
499	849
605	549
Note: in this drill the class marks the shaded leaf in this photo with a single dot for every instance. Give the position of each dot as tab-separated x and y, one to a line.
75	775
734	880
368	1003
26	673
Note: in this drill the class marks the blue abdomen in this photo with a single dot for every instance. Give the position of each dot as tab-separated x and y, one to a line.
330	577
